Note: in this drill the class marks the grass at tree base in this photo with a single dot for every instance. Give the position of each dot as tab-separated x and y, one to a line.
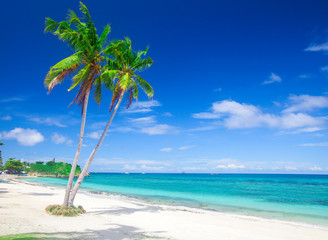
60	210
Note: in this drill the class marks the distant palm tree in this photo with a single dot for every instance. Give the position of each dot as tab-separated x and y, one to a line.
0	154
85	63
120	76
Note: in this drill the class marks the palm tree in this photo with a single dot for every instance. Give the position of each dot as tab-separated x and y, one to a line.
85	64
0	154
120	76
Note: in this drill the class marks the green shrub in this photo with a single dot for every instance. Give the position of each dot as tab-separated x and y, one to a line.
59	210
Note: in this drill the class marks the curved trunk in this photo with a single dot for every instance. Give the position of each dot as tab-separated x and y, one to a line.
78	151
88	163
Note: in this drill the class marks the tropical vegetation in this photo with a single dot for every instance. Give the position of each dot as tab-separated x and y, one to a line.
85	65
122	70
14	166
94	63
52	168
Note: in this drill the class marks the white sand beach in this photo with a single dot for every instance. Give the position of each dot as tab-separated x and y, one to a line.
113	217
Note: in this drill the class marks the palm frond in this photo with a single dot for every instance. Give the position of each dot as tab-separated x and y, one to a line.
67	62
143	64
134	88
107	78
80	76
145	86
104	34
125	81
51	25
97	92
72	18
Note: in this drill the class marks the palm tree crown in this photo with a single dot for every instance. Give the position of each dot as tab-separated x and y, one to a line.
85	63
120	74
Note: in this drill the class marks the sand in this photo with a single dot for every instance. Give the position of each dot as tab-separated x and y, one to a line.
117	217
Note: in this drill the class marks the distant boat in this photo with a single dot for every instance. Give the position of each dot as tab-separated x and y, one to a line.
143	173
126	173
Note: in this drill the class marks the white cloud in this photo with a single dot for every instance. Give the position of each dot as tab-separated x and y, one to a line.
230	166
143	120
304	130
272	79
142	106
6	118
94	135
186	147
217	90
320	144
293	120
315	168
60	139
158	129
317	47
236	115
306	103
207	115
47	121
166	149
25	137
13	99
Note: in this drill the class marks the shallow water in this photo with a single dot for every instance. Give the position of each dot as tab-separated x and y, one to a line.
301	198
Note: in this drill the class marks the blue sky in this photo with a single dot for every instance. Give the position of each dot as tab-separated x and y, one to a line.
240	86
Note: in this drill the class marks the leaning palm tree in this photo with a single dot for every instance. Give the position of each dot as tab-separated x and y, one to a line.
85	64
120	76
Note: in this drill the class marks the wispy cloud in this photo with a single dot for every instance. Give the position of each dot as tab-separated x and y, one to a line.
217	90
315	168
304	76
186	147
168	149
94	135
142	107
25	137
167	114
158	129
316	47
6	118
272	79
319	144
142	121
324	69
47	121
13	99
60	139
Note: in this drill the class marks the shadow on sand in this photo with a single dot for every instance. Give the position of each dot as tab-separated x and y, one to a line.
115	232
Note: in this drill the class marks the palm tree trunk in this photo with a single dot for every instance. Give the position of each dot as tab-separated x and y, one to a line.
78	151
88	163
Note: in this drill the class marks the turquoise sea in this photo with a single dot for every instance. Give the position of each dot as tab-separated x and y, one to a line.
300	198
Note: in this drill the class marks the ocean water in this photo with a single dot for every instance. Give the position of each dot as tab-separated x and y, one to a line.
300	198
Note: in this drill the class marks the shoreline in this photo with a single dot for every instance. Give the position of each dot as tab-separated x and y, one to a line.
137	216
197	206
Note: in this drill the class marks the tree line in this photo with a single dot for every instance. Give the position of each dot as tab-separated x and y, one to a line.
51	168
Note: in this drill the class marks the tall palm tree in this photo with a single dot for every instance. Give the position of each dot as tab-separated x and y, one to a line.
85	64
120	76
